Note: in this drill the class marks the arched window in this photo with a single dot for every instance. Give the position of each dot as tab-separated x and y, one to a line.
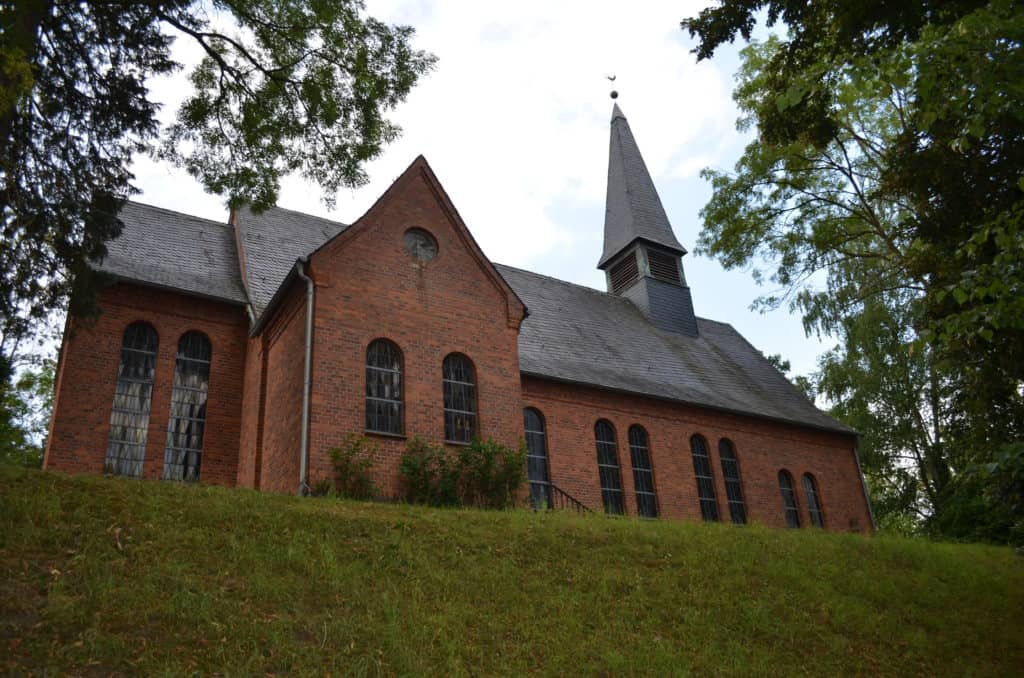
608	467
537	458
187	422
813	501
384	388
789	499
459	381
643	474
731	475
705	479
129	416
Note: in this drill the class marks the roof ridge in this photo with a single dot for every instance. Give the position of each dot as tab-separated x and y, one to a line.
139	203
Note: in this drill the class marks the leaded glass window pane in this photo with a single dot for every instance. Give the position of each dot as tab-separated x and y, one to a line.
537	459
187	423
705	479
384	388
733	488
813	501
643	474
459	381
129	416
789	499
608	468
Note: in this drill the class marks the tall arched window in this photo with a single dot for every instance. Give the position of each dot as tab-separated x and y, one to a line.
789	499
731	475
537	458
187	422
813	501
129	416
643	474
384	388
705	479
459	381
608	467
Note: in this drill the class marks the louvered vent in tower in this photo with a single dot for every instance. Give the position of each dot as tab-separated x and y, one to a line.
663	267
624	273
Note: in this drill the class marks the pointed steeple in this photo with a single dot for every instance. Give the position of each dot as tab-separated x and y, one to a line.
633	209
642	259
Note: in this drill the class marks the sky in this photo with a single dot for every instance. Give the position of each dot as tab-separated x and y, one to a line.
514	121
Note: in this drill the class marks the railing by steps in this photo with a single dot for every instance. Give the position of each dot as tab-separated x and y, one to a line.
560	500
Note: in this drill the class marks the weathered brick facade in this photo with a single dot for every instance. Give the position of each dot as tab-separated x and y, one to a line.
366	286
87	376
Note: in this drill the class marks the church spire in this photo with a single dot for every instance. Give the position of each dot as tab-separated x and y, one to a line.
642	258
633	210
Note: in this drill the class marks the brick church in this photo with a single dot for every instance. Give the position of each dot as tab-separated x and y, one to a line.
239	353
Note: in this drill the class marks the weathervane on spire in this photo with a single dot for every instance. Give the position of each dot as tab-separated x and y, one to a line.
614	94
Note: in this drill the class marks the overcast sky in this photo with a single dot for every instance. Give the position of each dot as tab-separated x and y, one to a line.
514	121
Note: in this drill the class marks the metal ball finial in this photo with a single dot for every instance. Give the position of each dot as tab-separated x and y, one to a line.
614	94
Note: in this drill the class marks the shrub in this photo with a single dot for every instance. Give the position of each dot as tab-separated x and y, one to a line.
353	462
490	473
429	474
484	474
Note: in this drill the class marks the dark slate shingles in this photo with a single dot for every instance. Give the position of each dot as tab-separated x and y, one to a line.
273	241
177	251
581	335
632	206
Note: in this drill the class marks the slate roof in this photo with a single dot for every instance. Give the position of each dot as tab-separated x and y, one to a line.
580	335
632	207
177	251
272	242
572	333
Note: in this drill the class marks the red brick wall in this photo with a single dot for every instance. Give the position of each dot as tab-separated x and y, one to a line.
251	435
762	448
90	355
285	336
368	287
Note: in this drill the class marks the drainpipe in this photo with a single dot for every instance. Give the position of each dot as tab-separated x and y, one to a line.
307	379
863	484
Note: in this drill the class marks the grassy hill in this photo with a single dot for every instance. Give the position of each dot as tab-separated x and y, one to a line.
101	575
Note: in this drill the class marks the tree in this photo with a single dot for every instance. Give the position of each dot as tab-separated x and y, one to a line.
284	86
885	189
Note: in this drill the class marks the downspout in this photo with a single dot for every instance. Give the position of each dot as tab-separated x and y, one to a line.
863	484
307	379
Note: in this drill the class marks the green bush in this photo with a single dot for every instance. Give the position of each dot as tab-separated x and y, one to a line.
490	473
484	474
353	464
429	474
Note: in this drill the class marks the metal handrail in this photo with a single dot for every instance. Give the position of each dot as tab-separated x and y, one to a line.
561	500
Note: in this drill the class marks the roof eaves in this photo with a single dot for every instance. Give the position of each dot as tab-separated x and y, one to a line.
839	428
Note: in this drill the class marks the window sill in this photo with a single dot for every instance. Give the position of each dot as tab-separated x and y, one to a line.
457	443
385	434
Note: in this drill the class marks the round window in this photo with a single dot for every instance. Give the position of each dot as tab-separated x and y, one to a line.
420	244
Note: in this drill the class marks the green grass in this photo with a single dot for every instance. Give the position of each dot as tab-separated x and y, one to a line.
101	575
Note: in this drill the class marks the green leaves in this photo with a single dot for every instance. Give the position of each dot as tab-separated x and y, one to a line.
884	196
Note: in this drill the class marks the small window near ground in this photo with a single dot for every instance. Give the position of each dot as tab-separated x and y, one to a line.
813	501
789	499
733	487
643	474
608	468
705	479
537	459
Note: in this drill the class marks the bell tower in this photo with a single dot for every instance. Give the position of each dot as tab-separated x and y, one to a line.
642	259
